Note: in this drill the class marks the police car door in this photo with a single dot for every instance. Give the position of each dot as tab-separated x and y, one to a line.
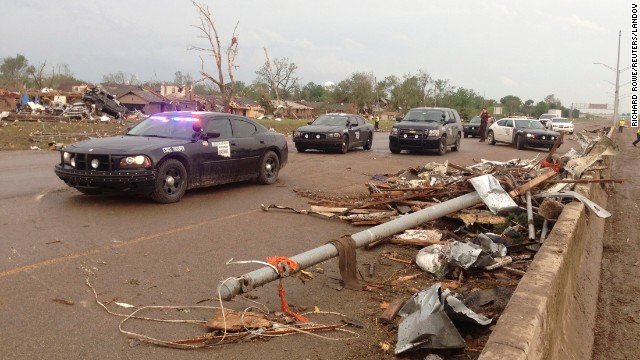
353	129
450	128
218	166
507	133
245	147
360	130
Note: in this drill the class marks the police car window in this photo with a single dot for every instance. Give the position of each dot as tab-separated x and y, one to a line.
502	123
242	128
221	126
509	123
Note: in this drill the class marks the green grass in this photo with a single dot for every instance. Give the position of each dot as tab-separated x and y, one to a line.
22	135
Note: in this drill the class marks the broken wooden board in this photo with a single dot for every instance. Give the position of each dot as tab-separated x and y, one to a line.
470	217
237	321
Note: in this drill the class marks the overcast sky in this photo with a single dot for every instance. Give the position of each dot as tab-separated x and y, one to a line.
529	49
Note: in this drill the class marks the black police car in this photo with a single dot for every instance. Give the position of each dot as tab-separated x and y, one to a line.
427	128
170	152
335	131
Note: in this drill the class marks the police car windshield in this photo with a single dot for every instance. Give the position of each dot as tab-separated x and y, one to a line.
423	115
163	127
331	120
529	124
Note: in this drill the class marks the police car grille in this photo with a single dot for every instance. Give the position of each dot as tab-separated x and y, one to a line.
314	136
412	134
83	162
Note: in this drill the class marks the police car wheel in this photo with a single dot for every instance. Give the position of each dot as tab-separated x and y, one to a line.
171	182
367	146
491	139
269	168
442	147
345	144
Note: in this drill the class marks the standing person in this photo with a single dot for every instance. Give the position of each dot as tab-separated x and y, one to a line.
484	119
637	137
377	122
621	125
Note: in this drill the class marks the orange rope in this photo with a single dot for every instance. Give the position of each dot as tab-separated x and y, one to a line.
555	167
277	261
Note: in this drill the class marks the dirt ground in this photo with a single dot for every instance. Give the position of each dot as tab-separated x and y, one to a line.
618	318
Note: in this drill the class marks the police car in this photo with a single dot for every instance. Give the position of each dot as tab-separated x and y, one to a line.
521	132
169	153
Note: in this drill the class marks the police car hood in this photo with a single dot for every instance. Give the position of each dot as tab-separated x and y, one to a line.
321	128
124	144
538	131
419	125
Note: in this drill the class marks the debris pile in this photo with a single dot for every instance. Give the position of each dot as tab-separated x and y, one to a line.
104	102
482	250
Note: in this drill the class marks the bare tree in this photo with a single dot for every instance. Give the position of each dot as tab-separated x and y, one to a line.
37	74
272	79
281	76
214	50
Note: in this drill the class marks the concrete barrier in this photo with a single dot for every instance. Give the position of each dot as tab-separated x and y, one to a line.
551	315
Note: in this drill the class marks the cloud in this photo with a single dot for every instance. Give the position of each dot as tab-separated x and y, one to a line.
507	81
503	9
576	21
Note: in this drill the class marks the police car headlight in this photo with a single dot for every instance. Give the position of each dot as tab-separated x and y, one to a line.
67	157
434	132
95	163
394	131
297	134
334	135
530	136
139	161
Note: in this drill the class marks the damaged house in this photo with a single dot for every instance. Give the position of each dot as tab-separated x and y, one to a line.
141	98
286	108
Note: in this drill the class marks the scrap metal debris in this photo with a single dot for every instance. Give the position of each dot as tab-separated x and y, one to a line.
429	321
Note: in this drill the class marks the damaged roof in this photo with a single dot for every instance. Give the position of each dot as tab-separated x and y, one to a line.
145	93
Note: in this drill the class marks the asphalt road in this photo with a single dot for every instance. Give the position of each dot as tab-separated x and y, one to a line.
134	251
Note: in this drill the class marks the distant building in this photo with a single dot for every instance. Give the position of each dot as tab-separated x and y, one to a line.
293	109
136	97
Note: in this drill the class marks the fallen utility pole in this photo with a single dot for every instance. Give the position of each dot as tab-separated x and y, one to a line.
249	281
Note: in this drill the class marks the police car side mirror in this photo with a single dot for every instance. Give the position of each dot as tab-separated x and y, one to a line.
213	135
398	118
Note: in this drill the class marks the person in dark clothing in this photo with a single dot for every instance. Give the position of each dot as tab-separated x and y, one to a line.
637	138
484	120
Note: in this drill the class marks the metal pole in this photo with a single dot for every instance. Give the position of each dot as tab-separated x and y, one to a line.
545	229
532	229
617	99
259	277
